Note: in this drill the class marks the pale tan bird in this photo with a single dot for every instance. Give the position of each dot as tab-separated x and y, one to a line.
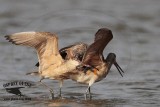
94	67
51	63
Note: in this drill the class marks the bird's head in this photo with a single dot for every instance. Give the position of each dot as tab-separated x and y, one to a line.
110	60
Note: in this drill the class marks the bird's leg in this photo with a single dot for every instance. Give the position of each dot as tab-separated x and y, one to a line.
88	91
60	88
85	94
51	90
90	96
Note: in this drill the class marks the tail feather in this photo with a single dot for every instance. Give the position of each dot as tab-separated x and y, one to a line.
33	73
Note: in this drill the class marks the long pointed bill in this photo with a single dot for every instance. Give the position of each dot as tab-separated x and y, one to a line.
118	68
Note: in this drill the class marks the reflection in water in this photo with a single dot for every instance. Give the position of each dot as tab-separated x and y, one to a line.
86	103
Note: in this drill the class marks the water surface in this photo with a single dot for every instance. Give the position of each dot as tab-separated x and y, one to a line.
135	26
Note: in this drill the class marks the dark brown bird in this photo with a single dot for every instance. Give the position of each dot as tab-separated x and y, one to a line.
94	67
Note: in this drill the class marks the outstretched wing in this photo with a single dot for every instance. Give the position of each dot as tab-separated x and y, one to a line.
94	53
45	43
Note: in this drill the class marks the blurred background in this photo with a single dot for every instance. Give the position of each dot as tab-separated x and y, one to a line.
136	29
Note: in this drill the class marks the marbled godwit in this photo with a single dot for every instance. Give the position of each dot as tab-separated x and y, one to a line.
51	63
94	67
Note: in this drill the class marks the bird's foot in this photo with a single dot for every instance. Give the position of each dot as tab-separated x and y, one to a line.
87	96
59	96
52	94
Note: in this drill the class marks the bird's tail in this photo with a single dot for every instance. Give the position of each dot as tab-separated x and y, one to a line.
33	73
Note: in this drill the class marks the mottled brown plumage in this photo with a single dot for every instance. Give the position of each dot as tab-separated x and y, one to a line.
75	51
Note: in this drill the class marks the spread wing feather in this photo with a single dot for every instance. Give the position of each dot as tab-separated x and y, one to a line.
45	43
94	53
75	51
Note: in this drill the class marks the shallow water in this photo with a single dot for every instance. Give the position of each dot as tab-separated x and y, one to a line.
135	25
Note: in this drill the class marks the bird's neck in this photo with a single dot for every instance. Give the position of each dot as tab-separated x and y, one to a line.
102	69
